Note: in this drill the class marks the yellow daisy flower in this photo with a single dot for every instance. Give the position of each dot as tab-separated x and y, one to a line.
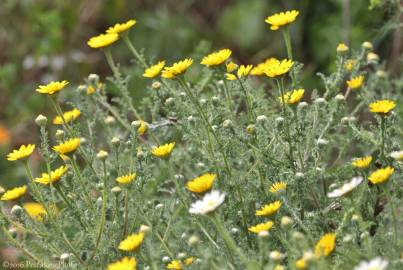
154	70
52	87
23	152
68	116
177	69
121	27
382	106
102	40
362	162
35	210
277	187
142	128
259	70
231	66
202	183
325	245
276	67
163	151
132	242
67	146
261	227
341	48
230	77
350	63
269	209
14	193
54	176
300	264
293	97
126	179
355	82
216	58
381	175
243	71
178	265
281	19
125	263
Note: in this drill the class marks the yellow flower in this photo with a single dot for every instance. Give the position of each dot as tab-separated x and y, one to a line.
154	70
362	162
132	242
231	66
142	128
277	187
67	146
54	176
68	116
178	265
52	87
325	245
342	48
259	70
14	193
382	106
300	264
281	19
126	179
35	210
202	183
276	67
163	151
381	175
293	97
121	27
103	40
216	58
124	264
350	63
261	227
177	69
243	71
355	82
269	209
90	90
230	77
23	152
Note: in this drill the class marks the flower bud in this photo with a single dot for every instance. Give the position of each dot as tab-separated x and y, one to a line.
116	190
41	120
342	48
339	97
364	235
109	120
59	134
93	78
302	104
16	210
347	238
276	255
279	120
367	45
191	118
165	259
319	101
102	155
169	101
299	175
234	230
193	240
372	57
182	94
83	140
381	74
82	88
145	229
99	201
203	101
215	99
322	142
64	256
181	255
227	123
286	221
261	119
263	234
115	141
13	232
250	129
156	85
298	236
355	218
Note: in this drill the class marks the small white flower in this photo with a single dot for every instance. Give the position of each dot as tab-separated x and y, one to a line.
208	204
346	188
375	264
398	155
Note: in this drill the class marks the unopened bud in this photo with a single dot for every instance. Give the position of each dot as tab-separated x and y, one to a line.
250	129
16	210
319	101
109	119
261	119
169	101
339	97
59	134
64	256
286	221
193	240
145	228
116	190
115	141
227	123
367	45
372	57
102	155
156	85
302	104
41	120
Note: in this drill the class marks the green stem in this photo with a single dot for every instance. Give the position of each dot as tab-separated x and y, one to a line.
393	212
249	109
287	40
126	212
383	130
81	181
134	51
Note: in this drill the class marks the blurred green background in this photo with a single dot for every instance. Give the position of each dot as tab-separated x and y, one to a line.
43	40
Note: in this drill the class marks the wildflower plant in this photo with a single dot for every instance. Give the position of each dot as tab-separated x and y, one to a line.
242	167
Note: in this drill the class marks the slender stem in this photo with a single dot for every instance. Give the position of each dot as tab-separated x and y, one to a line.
126	212
249	109
393	212
383	130
134	51
287	40
81	181
226	92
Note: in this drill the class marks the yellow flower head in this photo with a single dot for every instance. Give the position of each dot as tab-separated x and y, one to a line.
154	70
67	146
177	69
35	210
142	128
325	245
300	264
243	71
68	117
355	82
276	67
14	193
381	175
341	48
293	97
230	77
126	179
121	27
123	264
362	162
231	66
54	176
216	58
350	63
202	183
163	151
269	209
281	19
132	242
261	227
259	70
24	152
178	265
277	187
382	106
52	87
103	40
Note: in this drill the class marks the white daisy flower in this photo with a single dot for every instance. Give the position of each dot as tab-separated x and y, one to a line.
375	264
208	204
346	188
398	155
